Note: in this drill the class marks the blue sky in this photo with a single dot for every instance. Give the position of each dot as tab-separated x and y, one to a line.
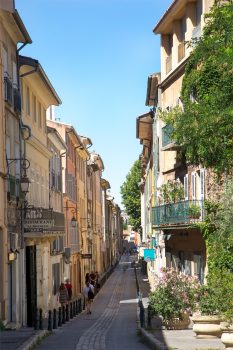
98	55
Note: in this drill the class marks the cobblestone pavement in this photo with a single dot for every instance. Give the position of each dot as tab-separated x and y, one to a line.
94	337
113	322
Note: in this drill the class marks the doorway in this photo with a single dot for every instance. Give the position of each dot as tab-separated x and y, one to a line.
31	284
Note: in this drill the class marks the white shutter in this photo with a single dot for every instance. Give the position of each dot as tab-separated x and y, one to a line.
15	80
202	184
5	61
193	185
186	193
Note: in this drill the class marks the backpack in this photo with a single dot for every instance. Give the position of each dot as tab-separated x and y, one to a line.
90	294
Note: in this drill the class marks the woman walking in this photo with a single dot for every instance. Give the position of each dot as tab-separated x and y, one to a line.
63	294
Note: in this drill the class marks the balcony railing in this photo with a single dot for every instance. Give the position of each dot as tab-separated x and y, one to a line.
181	51
178	214
168	64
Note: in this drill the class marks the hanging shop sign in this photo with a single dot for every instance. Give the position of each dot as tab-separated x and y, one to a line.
86	256
149	254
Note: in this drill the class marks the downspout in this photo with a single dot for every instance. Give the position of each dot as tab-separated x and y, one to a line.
22	126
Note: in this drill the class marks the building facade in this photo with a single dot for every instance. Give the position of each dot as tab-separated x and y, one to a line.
41	223
173	192
12	32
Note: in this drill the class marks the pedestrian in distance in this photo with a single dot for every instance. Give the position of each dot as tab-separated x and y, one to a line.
63	294
93	278
68	286
88	292
97	284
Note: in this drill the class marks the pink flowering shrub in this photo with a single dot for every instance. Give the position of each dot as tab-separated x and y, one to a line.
174	295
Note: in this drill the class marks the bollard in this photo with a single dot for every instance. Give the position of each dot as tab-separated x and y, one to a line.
63	314
50	321
71	310
36	323
149	314
74	309
80	305
59	317
40	320
142	314
67	313
84	306
54	319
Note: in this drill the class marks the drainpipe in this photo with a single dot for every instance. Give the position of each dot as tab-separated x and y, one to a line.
22	262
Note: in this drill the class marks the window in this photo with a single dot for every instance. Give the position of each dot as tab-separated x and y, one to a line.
183	29
5	61
42	191
202	184
170	44
44	119
22	93
17	163
39	115
28	101
55	278
15	79
34	108
186	193
193	182
198	12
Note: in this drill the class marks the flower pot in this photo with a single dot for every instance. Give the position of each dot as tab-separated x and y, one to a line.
207	326
178	323
227	335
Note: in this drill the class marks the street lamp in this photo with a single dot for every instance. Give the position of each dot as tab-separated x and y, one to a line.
73	220
24	184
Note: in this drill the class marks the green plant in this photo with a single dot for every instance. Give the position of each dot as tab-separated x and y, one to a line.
216	297
194	211
174	295
2	327
131	195
208	302
208	81
172	191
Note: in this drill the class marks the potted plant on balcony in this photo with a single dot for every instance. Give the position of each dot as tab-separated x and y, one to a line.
174	298
194	211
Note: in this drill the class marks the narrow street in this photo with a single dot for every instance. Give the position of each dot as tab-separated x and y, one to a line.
112	324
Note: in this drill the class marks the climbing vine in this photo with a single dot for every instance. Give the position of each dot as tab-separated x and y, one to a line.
203	125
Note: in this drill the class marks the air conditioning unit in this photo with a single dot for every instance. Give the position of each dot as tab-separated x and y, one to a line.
8	90
67	253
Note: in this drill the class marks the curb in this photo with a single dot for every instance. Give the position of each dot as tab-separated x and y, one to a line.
153	343
28	344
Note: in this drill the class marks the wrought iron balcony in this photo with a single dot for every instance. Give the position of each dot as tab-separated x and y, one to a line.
178	214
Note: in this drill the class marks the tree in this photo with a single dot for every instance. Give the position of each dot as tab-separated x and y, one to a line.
203	127
131	197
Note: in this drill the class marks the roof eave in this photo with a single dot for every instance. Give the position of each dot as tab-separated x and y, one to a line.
31	62
22	27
